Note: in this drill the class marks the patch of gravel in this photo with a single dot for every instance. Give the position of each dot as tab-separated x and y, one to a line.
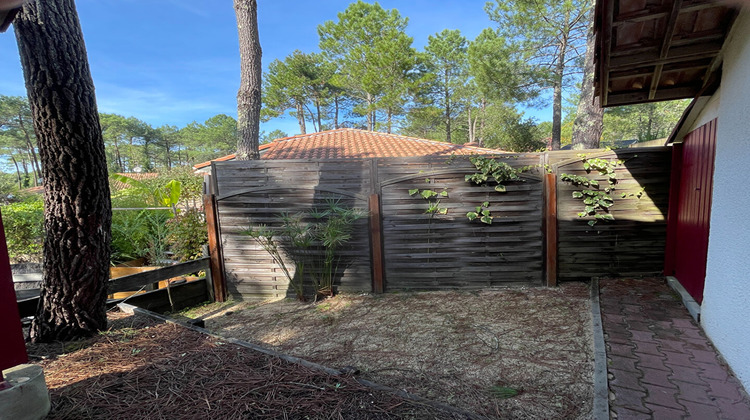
461	348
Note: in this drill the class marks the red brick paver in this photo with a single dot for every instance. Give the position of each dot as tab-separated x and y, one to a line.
660	363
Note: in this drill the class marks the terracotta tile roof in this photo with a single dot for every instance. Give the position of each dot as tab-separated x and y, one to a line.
113	184
349	143
138	176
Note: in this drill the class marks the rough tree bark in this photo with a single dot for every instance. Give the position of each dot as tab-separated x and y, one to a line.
249	94
77	214
588	125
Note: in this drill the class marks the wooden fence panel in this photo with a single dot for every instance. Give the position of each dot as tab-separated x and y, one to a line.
259	192
447	251
421	252
631	245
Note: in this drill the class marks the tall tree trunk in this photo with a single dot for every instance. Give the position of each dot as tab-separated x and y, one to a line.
336	113
316	126
166	149
317	105
447	109
301	118
77	210
588	125
482	122
30	146
25	172
448	122
18	171
370	114
119	157
558	75
34	172
248	96
389	121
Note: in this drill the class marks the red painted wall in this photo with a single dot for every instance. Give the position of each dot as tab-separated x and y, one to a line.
12	346
690	209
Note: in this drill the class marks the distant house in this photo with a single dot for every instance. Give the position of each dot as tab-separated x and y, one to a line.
114	185
694	49
349	143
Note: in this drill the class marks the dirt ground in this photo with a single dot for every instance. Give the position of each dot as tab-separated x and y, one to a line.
515	353
140	369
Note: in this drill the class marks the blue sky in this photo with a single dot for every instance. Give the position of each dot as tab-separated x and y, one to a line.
177	61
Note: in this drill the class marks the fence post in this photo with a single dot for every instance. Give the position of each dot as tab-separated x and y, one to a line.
214	249
550	214
376	245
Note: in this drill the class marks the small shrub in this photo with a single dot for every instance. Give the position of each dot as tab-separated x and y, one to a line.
139	234
24	229
187	234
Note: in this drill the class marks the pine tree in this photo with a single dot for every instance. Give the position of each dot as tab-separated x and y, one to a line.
76	200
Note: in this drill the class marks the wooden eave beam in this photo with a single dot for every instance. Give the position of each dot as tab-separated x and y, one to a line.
605	49
639	16
674	55
665	44
648	70
661	95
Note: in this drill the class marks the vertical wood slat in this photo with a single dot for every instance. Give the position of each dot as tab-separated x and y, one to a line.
550	214
376	244
214	249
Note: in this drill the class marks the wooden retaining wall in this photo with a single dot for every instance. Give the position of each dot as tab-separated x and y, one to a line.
414	251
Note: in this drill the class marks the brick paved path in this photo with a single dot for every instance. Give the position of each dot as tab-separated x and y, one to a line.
660	363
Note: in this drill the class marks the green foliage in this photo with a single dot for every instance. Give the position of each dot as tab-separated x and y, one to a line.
596	202
187	234
301	84
131	143
481	212
493	170
377	62
504	392
643	122
313	241
24	229
550	36
508	130
273	135
140	234
433	199
167	195
447	60
264	236
499	74
18	141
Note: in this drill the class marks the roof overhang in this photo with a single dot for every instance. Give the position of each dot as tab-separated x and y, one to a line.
657	50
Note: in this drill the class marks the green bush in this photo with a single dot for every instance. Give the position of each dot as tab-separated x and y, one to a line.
24	229
187	234
138	234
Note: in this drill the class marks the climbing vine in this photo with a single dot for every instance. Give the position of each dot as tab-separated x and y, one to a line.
433	199
491	171
596	202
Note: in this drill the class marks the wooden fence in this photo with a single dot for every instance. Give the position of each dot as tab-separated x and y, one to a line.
401	247
183	294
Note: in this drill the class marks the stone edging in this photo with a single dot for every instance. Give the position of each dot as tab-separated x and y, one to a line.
601	386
